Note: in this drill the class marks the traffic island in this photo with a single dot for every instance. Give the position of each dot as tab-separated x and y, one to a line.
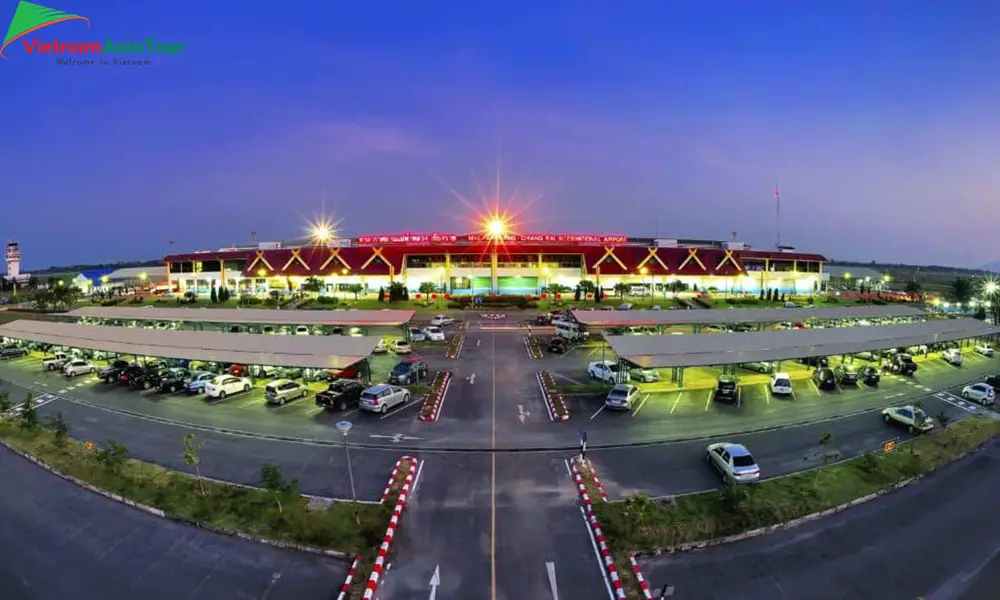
532	347
622	570
455	345
736	512
555	405
431	408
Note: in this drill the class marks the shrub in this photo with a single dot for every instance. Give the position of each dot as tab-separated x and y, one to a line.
112	456
329	300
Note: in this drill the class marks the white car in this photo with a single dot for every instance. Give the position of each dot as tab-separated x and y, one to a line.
56	361
442	321
400	347
606	371
79	367
380	347
621	397
913	418
781	384
416	335
226	385
733	461
302	330
952	356
434	334
979	392
382	397
985	349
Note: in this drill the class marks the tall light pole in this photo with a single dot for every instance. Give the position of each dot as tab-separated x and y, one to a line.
495	229
345	428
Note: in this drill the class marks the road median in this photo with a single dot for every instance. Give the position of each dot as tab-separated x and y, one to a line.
430	410
555	405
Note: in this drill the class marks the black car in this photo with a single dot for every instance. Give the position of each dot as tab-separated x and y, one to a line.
130	374
846	374
408	372
173	380
824	378
340	395
903	364
542	320
816	361
110	373
557	345
869	375
727	389
9	352
993	381
148	378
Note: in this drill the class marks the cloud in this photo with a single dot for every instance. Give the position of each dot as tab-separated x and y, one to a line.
351	140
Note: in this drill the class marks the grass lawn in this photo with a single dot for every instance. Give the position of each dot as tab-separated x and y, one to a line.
639	523
345	526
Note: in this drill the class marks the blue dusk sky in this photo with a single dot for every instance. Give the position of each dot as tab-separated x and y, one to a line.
879	120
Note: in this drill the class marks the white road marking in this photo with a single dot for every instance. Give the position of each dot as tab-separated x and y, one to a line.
416	479
676	401
767	394
596	413
708	401
550	567
639	407
400	409
597	554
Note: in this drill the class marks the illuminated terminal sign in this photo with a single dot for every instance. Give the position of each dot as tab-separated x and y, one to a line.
517	238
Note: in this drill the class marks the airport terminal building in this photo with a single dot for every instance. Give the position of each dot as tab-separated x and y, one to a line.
514	264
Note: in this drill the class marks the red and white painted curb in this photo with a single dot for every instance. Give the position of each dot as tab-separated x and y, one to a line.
602	544
493	316
390	532
548	397
534	352
437	398
392	477
350	577
456	350
638	576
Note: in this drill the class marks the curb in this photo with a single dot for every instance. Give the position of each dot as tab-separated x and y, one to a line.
455	351
531	347
390	532
550	398
588	507
638	576
437	399
729	539
350	576
392	477
156	512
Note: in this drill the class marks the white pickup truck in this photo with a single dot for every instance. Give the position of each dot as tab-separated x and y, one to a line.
56	361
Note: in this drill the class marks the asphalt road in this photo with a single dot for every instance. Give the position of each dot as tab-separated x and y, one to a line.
936	540
60	541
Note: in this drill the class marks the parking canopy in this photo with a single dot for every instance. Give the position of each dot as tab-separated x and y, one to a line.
711	349
305	351
730	316
250	316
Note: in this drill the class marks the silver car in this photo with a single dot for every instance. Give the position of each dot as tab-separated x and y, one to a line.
621	397
733	461
979	392
644	375
383	397
281	391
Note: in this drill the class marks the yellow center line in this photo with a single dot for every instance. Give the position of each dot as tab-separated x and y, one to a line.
493	479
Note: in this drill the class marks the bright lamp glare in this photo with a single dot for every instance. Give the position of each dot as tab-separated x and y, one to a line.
496	228
991	287
321	233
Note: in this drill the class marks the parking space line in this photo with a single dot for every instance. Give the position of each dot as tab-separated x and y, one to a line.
641	404
676	401
395	411
815	387
567	378
767	394
708	401
597	413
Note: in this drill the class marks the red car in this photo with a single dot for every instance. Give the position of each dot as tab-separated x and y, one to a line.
350	372
238	370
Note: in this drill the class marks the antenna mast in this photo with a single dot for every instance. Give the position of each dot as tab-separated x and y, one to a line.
777	212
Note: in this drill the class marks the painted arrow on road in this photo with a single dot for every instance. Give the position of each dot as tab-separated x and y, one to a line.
551	568
396	437
435	582
522	414
471	378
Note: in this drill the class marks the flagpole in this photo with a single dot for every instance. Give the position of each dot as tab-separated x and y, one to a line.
777	212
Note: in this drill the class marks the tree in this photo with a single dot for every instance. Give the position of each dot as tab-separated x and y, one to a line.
214	296
406	293
272	480
427	288
397	291
381	294
29	413
5	405
598	294
192	456
354	288
677	286
60	430
312	285
761	294
621	289
981	313
112	456
962	290
769	295
577	293
913	287
555	288
782	297
587	286
33	282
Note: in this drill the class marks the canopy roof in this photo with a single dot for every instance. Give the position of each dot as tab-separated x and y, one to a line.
248	316
725	316
699	350
306	351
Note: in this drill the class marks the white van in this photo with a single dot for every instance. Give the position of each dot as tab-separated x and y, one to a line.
571	331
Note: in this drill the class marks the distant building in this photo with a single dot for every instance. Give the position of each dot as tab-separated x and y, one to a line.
92	280
137	276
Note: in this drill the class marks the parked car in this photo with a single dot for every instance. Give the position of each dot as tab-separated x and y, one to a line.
993	381
130	374
952	356
846	374
727	389
350	372
606	371
644	375
302	330
281	391
78	366
621	397
380	347
914	419
110	373
816	361
903	364
556	345
985	349
383	397
149	377
733	461
401	347
759	367
226	385
442	321
824	378
869	375
434	334
981	393
198	380
340	395
408	372
9	352
173	379
781	384
56	361
417	335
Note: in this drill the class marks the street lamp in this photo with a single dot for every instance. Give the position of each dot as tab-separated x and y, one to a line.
495	227
345	428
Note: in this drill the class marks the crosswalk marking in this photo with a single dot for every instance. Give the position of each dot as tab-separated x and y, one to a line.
41	400
956	401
